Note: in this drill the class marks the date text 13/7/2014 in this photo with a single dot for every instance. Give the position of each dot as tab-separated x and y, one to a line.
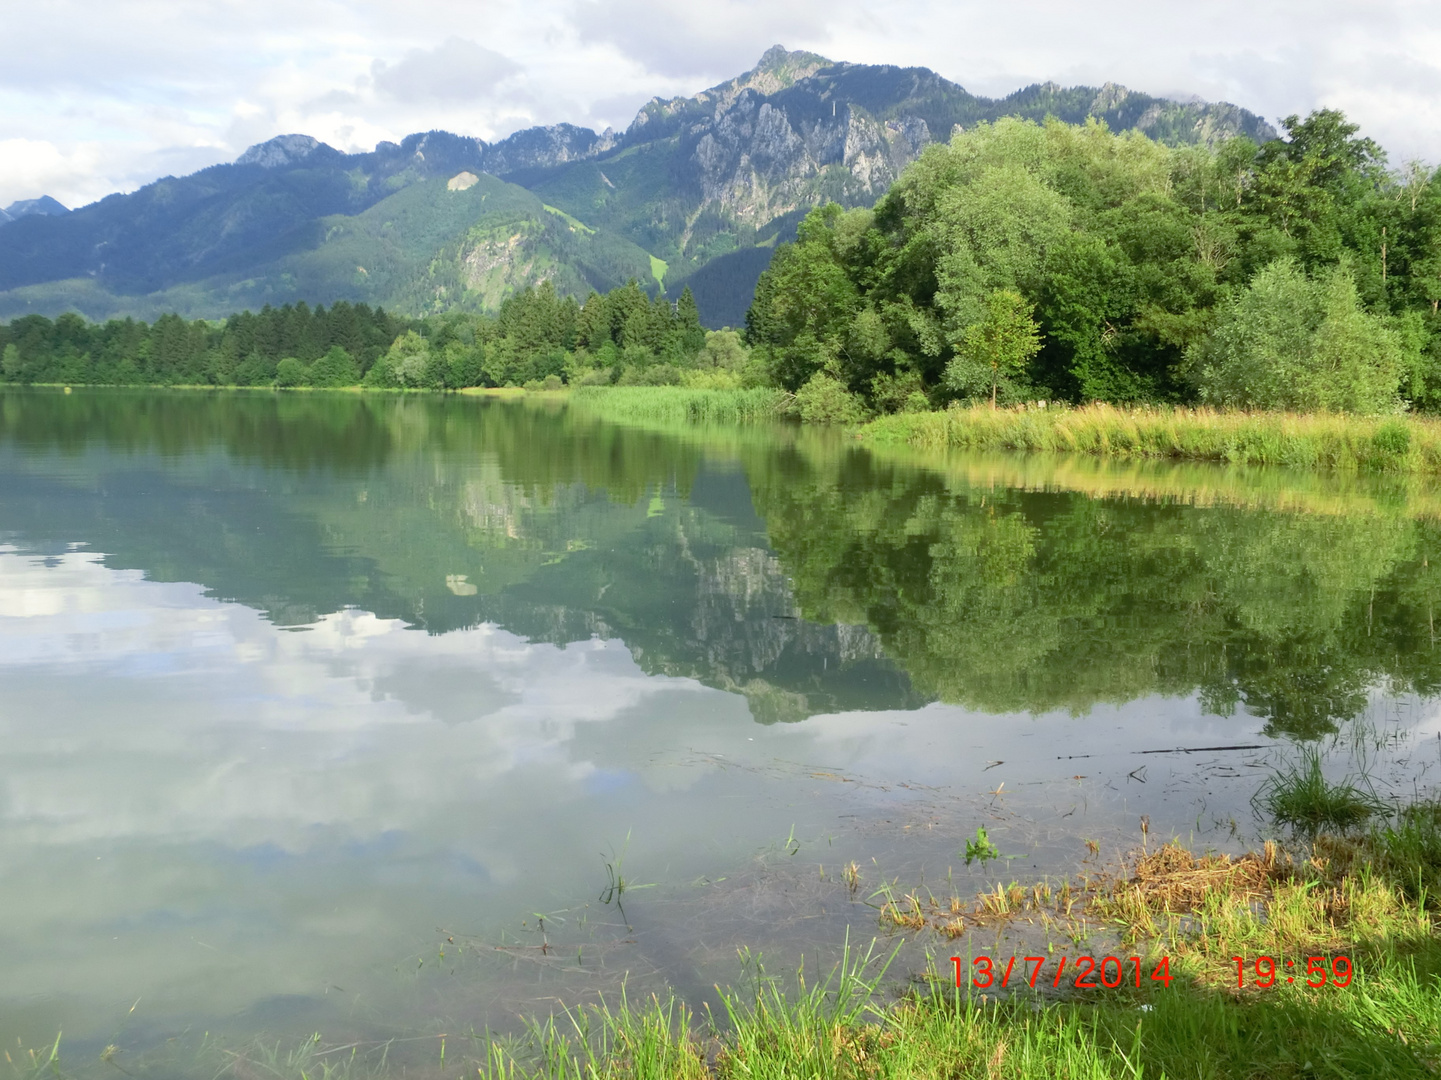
1091	973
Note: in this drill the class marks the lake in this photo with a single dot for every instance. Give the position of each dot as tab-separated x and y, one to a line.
386	719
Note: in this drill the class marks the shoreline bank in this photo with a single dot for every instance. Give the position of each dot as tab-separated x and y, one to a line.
1337	441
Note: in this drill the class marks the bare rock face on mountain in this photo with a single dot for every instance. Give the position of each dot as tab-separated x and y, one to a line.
799	128
759	162
544	147
280	151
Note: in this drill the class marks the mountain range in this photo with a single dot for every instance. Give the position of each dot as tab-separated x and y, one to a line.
696	191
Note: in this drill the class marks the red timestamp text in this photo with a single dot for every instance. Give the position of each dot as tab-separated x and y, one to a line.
1266	972
1082	972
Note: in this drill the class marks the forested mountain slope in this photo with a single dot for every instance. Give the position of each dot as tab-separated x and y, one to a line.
695	189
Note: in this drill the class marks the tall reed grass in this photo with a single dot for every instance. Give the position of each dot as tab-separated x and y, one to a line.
678	404
1321	440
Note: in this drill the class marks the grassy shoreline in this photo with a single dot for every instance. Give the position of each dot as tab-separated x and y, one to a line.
1368	895
1336	442
1368	898
1321	440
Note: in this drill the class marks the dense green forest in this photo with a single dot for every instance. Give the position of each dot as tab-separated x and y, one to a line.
624	336
1019	261
1064	262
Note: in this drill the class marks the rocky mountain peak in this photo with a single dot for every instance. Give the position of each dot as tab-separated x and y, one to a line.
280	151
1110	96
787	66
777	69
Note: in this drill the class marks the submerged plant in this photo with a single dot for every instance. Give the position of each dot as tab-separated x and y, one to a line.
980	849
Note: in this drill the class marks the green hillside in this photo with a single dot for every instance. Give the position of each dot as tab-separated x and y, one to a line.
424	249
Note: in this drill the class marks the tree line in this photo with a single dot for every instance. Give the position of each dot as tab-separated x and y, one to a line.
243	350
537	338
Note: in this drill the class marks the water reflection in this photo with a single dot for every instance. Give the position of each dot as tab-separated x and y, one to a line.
297	687
1009	599
913	584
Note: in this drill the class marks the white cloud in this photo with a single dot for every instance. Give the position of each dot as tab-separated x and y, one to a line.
33	167
454	71
717	40
96	98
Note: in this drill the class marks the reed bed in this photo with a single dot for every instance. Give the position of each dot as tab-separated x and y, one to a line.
678	404
1319	440
1189	483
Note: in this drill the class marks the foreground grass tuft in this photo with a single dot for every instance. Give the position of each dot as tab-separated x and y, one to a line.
1384	1024
1299	797
1407	851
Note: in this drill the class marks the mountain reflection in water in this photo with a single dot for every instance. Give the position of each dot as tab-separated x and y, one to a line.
808	575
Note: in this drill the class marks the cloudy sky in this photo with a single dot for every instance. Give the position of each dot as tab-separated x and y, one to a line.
99	97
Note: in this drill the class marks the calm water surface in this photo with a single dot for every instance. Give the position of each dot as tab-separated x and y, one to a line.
345	714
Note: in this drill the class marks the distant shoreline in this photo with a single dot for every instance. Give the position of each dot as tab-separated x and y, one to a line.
1397	444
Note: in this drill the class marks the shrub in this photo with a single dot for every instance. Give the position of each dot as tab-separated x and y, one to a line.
254	370
382	375
654	375
594	377
896	393
825	400
291	372
1288	342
